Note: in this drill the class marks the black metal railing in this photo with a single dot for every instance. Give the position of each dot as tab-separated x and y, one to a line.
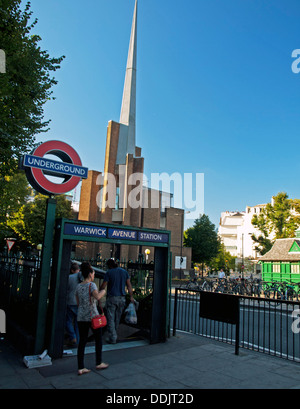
19	283
271	326
18	275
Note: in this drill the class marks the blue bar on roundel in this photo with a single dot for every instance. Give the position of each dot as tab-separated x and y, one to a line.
54	166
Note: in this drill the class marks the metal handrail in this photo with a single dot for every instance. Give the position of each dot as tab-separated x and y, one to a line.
266	325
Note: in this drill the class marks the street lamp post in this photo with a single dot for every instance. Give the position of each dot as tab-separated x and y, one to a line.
181	245
147	252
39	248
242	255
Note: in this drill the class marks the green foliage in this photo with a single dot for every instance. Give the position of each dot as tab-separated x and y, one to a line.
203	239
223	260
262	243
28	222
279	219
13	197
23	218
24	88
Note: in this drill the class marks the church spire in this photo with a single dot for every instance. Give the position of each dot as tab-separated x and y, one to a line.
128	108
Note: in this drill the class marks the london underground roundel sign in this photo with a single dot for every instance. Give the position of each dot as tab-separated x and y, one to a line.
70	168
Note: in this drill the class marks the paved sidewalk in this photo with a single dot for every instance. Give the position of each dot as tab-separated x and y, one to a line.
183	362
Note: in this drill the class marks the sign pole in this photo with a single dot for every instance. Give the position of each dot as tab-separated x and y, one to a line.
45	275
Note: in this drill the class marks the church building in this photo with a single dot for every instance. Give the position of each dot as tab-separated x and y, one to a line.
117	195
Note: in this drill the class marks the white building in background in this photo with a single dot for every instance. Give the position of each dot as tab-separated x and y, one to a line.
228	230
236	229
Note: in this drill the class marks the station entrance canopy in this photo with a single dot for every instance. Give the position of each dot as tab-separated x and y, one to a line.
68	231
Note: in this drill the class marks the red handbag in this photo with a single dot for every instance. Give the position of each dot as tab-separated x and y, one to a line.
99	321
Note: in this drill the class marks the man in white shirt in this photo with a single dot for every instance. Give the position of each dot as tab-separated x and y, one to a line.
221	273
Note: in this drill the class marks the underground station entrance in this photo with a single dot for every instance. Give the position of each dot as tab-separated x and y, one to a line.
149	280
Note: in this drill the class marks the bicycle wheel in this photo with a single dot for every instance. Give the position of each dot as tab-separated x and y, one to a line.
291	295
248	288
204	286
192	286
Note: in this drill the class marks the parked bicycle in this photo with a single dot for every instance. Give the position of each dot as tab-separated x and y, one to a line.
192	284
206	285
248	287
222	286
272	291
256	287
198	284
289	291
281	291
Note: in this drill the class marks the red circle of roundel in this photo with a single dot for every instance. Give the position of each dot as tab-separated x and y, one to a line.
51	187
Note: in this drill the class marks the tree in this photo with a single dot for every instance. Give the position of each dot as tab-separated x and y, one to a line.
24	88
262	242
280	216
222	260
14	196
203	239
279	219
29	222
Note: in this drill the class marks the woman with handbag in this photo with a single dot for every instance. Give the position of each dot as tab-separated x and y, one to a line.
87	296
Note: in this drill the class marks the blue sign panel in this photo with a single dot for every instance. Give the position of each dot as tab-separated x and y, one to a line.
85	230
54	166
122	234
115	233
153	237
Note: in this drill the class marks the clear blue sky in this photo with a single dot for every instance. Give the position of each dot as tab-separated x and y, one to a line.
215	89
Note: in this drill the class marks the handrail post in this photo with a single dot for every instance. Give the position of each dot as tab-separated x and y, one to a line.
175	312
237	329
